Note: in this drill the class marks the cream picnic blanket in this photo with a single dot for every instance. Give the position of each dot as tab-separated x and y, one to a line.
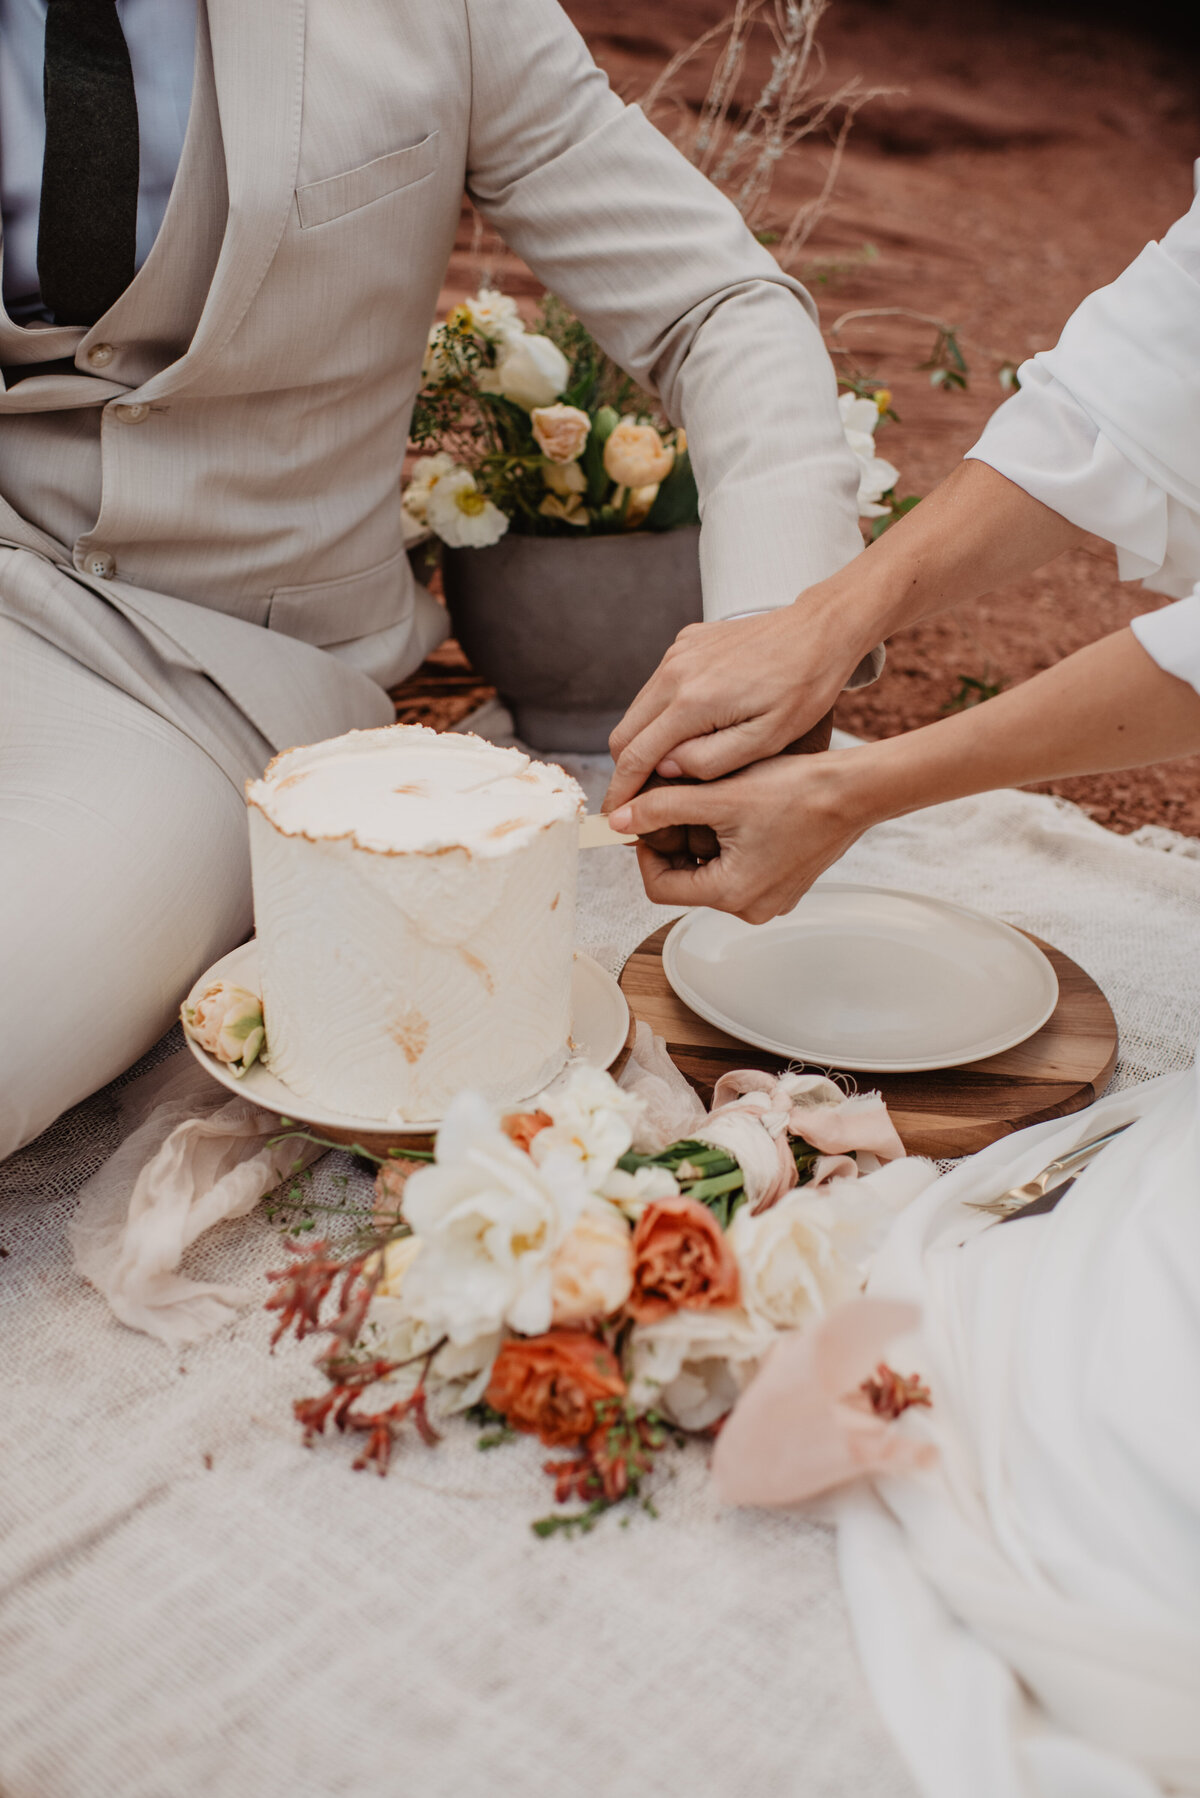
190	1602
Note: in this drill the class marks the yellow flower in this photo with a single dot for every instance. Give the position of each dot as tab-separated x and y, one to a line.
883	398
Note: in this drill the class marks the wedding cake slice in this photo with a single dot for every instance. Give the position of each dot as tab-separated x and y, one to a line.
414	901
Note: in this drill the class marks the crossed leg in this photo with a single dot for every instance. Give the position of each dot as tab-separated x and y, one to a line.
124	872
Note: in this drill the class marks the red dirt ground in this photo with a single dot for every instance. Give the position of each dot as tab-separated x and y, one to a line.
1028	158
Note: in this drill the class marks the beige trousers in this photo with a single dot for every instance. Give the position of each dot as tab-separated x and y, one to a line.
124	873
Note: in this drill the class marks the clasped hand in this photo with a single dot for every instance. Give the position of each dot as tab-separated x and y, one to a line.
728	700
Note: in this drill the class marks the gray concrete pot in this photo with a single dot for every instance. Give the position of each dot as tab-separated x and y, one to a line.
567	630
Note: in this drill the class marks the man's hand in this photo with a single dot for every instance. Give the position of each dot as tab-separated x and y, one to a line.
729	694
777	825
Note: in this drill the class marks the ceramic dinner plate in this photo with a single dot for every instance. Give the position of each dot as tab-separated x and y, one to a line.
599	1026
865	978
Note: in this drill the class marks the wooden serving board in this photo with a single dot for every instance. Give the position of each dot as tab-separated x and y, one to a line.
952	1111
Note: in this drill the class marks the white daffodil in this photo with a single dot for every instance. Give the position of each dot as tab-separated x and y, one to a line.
493	315
633	1192
461	515
427	471
875	475
490	1220
593	1122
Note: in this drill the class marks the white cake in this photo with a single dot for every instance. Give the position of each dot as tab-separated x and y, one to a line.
414	901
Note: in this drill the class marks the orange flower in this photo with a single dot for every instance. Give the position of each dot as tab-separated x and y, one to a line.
523	1126
680	1258
550	1385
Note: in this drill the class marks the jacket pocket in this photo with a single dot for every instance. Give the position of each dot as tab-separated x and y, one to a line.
356	605
322	201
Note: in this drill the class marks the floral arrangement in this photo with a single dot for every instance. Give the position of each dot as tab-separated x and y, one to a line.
537	432
553	1272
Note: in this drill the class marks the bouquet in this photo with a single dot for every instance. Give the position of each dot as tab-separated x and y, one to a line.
537	432
553	1272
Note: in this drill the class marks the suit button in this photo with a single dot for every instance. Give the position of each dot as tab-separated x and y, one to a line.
100	355
100	563
134	413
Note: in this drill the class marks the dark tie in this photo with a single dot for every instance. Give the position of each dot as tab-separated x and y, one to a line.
87	228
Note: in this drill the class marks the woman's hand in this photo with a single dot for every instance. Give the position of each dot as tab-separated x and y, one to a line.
777	826
731	693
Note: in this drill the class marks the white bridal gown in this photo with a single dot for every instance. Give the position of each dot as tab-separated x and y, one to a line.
1028	1611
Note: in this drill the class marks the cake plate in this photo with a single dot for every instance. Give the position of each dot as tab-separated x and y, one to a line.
601	1033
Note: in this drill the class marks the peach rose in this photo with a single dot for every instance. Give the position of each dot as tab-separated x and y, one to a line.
227	1022
560	432
680	1259
592	1271
550	1385
636	456
522	1126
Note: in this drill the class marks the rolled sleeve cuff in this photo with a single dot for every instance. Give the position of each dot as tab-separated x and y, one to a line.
1171	637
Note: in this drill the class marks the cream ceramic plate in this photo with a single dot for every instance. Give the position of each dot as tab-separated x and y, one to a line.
865	978
599	1026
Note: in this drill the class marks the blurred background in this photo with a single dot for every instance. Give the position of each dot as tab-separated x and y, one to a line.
985	167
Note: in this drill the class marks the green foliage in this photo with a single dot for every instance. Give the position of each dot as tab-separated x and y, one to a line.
946	364
973	690
678	501
898	508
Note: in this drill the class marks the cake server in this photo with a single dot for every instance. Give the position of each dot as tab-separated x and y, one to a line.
595	832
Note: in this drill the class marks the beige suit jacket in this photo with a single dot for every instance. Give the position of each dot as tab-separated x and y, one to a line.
215	465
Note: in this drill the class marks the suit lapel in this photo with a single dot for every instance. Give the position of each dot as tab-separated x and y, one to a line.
258	69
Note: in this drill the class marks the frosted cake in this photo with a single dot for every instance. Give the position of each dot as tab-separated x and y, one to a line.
414	901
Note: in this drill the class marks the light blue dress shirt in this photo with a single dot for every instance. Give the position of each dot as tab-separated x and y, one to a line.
161	35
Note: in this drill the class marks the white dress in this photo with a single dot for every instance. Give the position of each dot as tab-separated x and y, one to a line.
1028	1611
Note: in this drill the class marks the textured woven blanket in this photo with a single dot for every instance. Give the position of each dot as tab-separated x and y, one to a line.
192	1602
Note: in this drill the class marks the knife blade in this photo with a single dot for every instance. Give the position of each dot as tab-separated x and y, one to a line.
1047	1202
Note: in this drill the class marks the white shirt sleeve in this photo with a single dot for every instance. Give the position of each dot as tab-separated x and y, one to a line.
1103	432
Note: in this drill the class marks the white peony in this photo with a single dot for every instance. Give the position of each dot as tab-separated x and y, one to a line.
427	471
489	1219
692	1365
530	370
593	1122
633	1192
592	1275
461	515
493	315
875	476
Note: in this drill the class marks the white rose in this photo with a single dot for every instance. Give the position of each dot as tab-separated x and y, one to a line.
633	1192
530	370
493	315
560	432
490	1219
565	478
427	471
692	1365
461	515
636	456
592	1271
593	1122
812	1250
227	1022
394	1332
875	476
